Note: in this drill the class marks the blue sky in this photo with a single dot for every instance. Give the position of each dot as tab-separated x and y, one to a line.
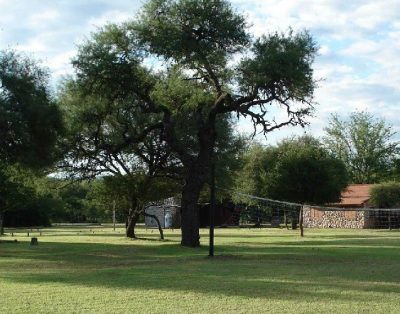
358	62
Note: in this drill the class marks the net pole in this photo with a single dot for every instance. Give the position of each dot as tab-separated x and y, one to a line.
301	221
114	214
212	210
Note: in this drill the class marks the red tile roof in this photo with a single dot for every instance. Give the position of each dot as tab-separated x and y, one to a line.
355	195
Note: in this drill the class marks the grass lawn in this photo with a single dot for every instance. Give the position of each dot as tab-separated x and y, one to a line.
94	269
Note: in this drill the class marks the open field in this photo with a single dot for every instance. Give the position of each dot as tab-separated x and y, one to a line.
93	269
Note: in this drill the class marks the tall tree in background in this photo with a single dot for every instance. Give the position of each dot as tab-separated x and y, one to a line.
297	170
30	123
198	83
365	145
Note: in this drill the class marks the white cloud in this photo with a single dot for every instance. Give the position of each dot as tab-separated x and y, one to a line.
61	63
50	30
114	16
324	50
40	19
361	47
358	53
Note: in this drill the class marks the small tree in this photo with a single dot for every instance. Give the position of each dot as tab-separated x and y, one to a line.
306	173
131	195
365	145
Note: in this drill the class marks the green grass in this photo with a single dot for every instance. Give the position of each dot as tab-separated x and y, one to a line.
94	269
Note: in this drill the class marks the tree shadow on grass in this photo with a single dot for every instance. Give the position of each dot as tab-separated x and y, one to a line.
294	272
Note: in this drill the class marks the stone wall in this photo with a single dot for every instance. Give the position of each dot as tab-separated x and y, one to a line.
315	218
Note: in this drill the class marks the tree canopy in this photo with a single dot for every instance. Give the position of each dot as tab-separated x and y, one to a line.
365	144
297	170
30	120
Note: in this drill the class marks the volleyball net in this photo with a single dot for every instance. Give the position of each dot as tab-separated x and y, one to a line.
256	211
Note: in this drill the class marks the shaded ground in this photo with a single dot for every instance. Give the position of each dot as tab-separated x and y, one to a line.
93	269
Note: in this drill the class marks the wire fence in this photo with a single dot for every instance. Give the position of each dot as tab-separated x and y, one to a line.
260	211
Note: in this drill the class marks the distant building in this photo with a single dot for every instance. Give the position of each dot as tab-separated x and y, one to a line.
355	196
167	212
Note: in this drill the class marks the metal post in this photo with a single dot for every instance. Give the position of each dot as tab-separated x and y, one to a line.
301	220
114	215
212	210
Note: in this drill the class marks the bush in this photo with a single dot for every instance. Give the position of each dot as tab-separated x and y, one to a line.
32	214
385	195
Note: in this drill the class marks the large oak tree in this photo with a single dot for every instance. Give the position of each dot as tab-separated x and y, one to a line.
206	66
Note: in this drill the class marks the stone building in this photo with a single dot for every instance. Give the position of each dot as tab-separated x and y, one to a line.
355	196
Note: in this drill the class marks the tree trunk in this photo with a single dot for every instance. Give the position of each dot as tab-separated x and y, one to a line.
1	223
190	211
197	170
131	223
